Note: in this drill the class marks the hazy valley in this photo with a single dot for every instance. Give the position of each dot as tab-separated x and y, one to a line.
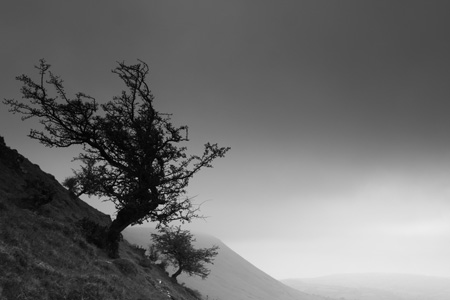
375	286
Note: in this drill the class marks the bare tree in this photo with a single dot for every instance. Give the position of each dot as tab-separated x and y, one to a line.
132	154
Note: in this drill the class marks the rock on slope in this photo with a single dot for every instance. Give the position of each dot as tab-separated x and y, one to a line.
231	277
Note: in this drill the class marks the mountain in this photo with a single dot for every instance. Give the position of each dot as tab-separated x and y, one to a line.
231	277
375	286
44	255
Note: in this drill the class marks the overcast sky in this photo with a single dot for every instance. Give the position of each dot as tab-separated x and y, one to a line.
337	113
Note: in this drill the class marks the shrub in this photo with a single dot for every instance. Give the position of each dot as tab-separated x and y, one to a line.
145	262
153	254
70	183
38	192
194	293
139	250
94	232
126	267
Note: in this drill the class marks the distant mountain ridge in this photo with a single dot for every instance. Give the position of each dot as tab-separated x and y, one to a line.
232	277
375	286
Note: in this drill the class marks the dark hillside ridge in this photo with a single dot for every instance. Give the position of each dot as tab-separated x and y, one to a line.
26	185
45	256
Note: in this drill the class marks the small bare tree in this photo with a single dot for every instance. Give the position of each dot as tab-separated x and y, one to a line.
175	246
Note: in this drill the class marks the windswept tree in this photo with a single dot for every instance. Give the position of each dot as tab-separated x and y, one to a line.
176	246
132	154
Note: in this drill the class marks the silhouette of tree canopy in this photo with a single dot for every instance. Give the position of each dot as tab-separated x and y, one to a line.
175	246
132	154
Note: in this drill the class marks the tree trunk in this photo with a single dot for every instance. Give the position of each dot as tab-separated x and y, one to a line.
178	272
125	217
113	238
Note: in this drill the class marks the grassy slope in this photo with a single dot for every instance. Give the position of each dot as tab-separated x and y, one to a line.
43	255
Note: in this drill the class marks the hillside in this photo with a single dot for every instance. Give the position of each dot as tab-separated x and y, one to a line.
232	277
43	255
375	286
